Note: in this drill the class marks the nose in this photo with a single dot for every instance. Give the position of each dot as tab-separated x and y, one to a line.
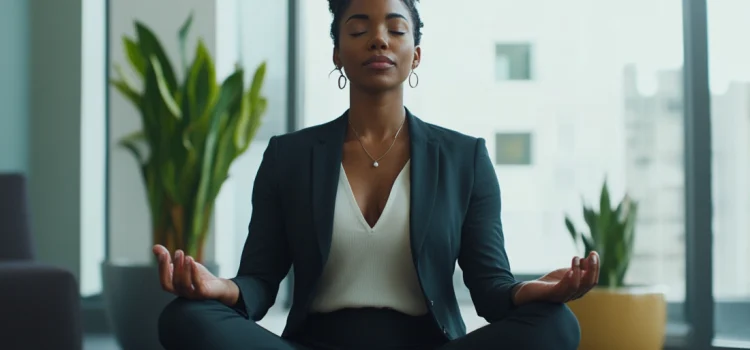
379	41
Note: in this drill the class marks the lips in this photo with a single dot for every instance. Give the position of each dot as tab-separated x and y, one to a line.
379	62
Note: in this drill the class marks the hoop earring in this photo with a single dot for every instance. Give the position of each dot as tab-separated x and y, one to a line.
413	74
345	80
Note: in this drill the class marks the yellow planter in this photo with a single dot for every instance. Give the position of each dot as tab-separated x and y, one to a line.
627	318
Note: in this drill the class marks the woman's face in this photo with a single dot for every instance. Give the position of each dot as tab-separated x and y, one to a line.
376	44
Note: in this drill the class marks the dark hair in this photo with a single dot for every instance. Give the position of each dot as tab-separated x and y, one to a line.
338	7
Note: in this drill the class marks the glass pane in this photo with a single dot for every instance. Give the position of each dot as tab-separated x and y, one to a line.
565	97
729	72
239	42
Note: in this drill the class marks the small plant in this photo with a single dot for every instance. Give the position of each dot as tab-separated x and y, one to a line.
611	234
192	131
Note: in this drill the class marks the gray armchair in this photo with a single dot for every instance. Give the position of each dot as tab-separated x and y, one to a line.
39	304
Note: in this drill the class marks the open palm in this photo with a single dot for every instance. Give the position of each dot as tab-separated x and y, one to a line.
186	277
570	283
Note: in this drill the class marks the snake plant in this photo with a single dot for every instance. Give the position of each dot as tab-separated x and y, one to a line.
610	233
193	128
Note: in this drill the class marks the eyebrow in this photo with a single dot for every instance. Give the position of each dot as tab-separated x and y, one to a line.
366	17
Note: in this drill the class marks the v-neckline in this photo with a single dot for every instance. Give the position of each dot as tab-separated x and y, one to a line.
355	204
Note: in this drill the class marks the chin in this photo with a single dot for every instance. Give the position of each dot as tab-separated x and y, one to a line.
380	84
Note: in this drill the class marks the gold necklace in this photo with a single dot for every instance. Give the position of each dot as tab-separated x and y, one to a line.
375	162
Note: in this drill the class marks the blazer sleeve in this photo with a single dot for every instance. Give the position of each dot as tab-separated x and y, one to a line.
482	258
265	259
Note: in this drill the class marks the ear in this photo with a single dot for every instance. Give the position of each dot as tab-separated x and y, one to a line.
337	59
417	57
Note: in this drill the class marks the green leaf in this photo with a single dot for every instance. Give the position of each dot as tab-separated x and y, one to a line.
629	222
254	107
126	87
131	143
136	58
230	91
257	83
571	228
168	179
249	122
150	46
592	221
201	84
164	91
605	210
127	92
588	244
182	38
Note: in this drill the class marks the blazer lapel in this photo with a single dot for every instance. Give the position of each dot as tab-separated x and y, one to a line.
326	168
424	180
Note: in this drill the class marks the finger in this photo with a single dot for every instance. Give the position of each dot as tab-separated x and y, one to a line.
197	278
589	276
187	281
165	272
159	249
179	273
597	265
575	278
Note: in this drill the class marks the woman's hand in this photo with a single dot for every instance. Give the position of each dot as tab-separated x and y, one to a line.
562	285
185	277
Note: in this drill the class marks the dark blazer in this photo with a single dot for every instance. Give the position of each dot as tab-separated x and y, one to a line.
455	216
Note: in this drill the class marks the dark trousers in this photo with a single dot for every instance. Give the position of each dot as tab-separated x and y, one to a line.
198	325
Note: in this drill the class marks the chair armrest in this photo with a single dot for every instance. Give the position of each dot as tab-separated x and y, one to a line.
40	307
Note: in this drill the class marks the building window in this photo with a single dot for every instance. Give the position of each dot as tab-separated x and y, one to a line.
513	149
512	61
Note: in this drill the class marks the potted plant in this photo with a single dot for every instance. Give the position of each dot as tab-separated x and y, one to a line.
615	315
193	128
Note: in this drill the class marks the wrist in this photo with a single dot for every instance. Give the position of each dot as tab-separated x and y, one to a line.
516	292
231	293
526	292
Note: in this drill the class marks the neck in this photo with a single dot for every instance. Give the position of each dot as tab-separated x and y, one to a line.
376	116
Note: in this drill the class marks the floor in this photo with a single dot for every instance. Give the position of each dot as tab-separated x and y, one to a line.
274	321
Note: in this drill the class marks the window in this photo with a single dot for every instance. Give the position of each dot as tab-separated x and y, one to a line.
513	149
513	62
612	95
237	33
93	146
588	78
729	78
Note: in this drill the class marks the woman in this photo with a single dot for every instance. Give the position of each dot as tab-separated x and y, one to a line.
373	210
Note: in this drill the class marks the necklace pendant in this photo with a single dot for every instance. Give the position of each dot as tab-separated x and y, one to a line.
375	164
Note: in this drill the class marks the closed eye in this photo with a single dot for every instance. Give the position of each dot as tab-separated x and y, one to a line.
392	32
